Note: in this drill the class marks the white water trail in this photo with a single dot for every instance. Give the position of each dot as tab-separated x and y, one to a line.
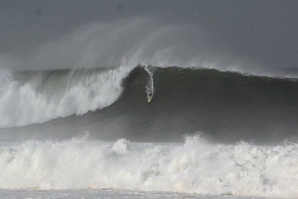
193	167
150	83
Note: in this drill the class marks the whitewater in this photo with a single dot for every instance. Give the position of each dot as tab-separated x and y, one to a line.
194	167
77	92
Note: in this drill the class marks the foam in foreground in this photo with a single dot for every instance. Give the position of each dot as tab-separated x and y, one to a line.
195	166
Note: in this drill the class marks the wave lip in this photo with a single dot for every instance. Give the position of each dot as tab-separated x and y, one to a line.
39	96
240	170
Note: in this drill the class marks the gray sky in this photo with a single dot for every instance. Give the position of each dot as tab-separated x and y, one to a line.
262	31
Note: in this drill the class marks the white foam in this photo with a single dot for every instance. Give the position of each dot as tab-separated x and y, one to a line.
21	104
121	146
194	167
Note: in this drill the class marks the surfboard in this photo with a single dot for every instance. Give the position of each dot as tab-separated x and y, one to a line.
149	98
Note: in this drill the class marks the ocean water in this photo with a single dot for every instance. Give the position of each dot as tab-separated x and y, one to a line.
91	133
141	107
179	147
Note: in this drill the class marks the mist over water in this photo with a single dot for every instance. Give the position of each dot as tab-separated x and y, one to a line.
122	42
133	41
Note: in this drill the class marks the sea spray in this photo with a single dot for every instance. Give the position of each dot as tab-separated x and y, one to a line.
195	167
37	97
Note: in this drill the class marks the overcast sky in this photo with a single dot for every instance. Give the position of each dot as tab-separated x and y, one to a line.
261	30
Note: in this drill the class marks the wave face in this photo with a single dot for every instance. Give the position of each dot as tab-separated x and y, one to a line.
226	106
39	96
195	166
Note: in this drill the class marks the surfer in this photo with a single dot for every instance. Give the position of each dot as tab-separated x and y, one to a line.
149	86
149	96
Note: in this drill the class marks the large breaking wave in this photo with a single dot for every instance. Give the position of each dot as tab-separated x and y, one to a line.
38	96
109	103
54	87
